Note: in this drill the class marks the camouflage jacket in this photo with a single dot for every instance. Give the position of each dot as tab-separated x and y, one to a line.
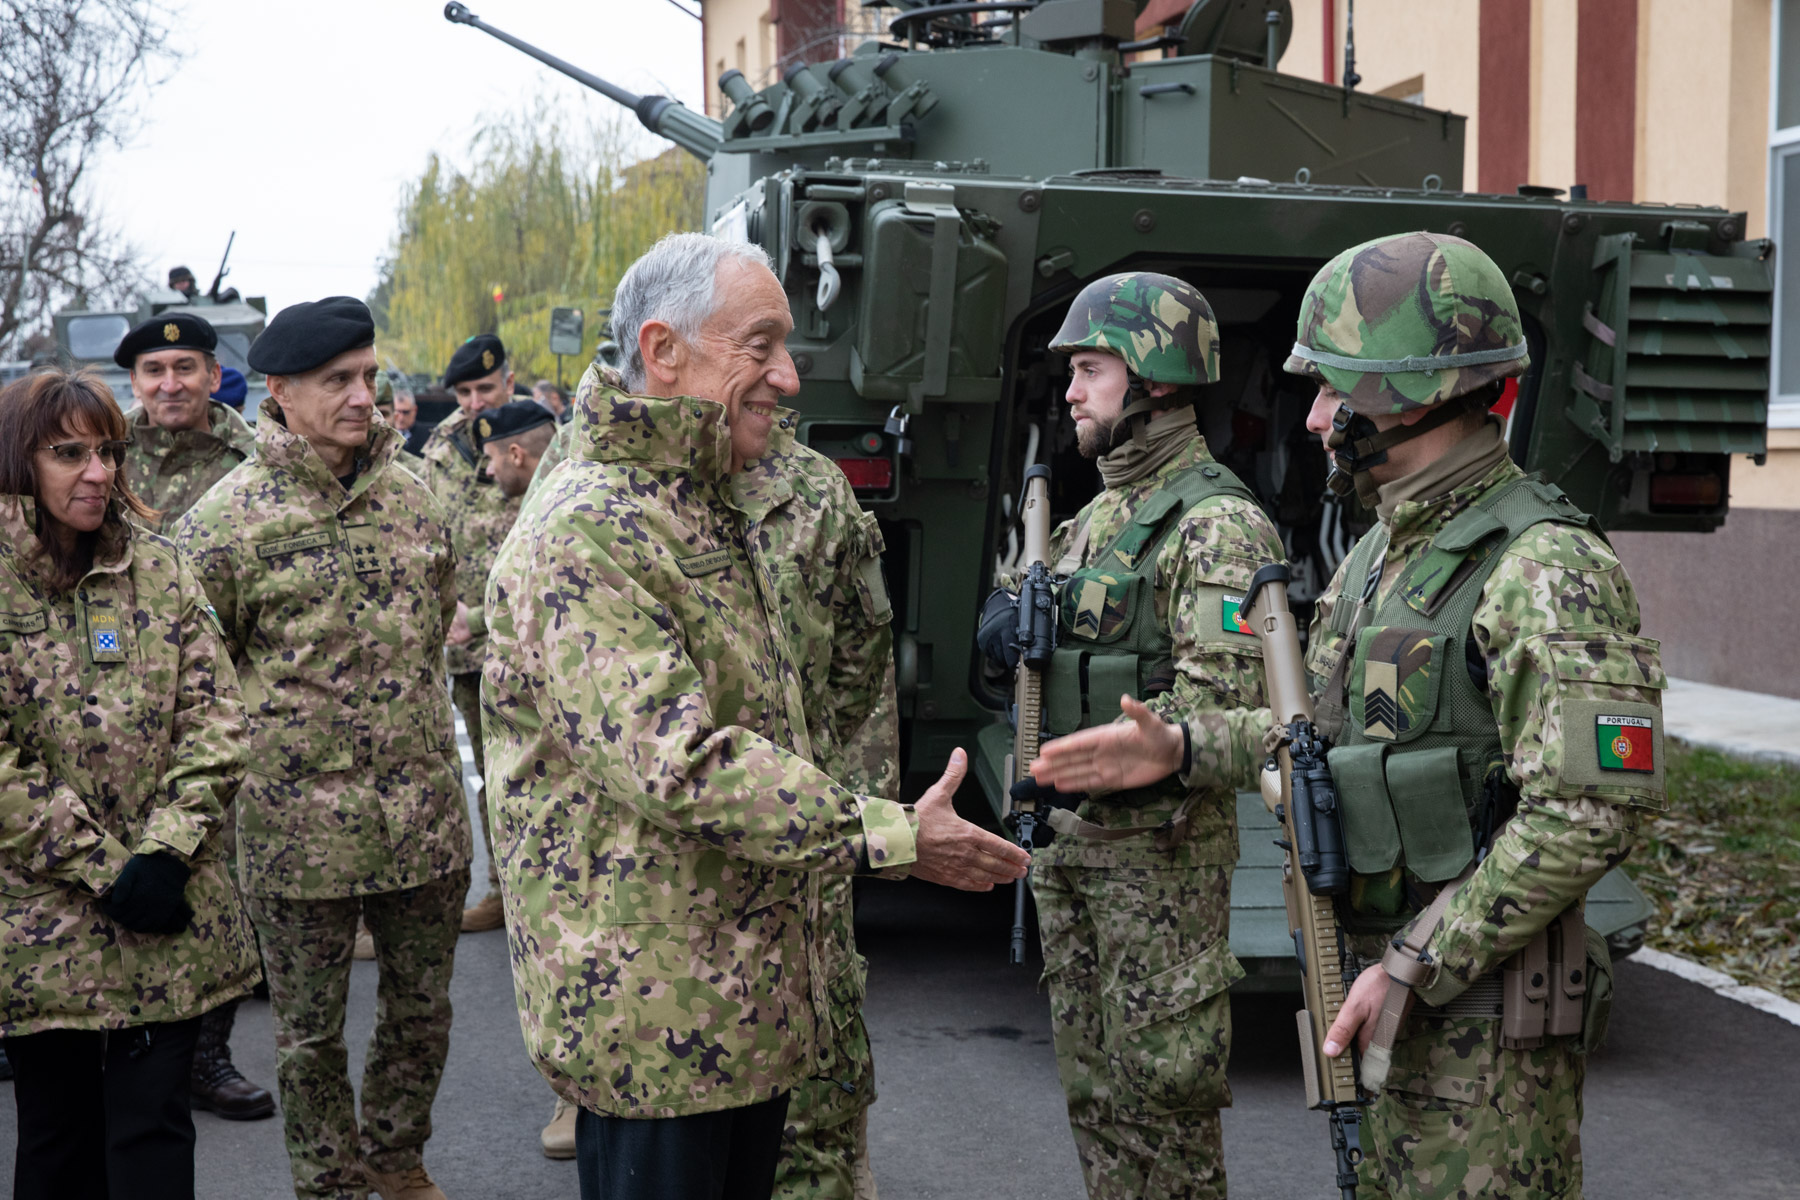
124	735
171	469
1216	547
334	604
822	553
1557	624
480	518
657	813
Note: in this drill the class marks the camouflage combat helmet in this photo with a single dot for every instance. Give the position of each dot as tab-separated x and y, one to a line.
384	392
1162	327
1408	321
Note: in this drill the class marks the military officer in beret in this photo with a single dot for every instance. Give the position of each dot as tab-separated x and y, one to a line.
182	441
480	518
513	438
332	571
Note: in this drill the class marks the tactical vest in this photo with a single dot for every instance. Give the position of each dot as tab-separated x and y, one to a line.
1109	641
1419	742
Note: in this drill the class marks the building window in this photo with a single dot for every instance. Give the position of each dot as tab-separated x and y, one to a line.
1784	214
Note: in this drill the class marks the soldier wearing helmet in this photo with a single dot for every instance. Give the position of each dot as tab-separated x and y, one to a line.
1496	730
1133	897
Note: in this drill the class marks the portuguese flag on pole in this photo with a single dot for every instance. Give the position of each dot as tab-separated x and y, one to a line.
1625	743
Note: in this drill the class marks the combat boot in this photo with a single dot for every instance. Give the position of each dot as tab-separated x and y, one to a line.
410	1184
558	1138
485	915
214	1084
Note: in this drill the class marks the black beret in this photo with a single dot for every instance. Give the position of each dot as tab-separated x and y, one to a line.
510	420
480	355
304	336
170	330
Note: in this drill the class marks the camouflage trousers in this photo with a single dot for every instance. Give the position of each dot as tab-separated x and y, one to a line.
465	691
306	947
1138	967
1462	1117
825	1147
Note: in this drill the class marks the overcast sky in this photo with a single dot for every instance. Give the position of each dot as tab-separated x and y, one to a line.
298	122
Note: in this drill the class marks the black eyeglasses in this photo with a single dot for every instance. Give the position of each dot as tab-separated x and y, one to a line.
74	455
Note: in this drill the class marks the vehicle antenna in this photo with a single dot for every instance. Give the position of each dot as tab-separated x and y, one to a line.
1351	78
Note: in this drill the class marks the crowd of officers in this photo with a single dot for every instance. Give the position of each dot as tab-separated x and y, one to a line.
230	659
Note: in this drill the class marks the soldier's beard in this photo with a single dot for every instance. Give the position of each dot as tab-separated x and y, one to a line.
1095	440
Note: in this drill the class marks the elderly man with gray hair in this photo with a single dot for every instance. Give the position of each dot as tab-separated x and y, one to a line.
656	769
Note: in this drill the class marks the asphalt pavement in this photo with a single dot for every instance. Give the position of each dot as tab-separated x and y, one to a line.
1692	1094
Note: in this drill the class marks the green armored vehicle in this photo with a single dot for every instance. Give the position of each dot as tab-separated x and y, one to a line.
87	337
933	203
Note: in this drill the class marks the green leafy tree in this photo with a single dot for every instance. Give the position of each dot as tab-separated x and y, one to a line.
548	214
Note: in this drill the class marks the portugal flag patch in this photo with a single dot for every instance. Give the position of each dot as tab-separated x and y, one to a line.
1624	743
1231	617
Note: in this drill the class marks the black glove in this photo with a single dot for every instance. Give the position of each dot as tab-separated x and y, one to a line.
1029	789
998	632
149	895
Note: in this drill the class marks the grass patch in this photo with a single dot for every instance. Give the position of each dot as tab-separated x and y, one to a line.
1722	866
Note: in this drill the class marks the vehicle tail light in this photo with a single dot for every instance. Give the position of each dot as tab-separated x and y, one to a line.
868	474
1686	491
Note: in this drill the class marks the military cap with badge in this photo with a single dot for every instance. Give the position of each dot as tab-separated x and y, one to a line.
510	420
166	331
481	355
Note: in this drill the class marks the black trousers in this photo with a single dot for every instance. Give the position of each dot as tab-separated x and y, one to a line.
724	1155
104	1116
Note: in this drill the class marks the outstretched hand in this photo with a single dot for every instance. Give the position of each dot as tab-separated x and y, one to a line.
954	852
1112	758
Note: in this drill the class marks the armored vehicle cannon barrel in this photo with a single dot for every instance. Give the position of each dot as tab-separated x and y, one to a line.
696	134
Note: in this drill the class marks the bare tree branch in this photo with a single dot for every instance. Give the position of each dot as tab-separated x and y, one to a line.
71	72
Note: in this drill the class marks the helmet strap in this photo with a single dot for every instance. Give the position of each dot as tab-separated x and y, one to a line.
1357	446
1134	419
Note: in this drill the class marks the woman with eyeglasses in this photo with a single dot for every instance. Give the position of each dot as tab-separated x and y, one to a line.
123	745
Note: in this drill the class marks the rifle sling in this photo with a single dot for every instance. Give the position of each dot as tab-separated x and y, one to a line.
1171	832
1407	966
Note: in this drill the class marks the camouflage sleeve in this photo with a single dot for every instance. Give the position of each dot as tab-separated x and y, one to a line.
1218	684
614	664
211	561
1558	625
865	711
206	752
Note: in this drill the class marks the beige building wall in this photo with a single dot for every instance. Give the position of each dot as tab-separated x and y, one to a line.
740	34
1396	41
743	34
1702	115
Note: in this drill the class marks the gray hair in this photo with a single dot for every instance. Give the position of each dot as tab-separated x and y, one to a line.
673	283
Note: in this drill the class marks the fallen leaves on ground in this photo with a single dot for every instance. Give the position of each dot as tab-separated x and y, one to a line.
1722	867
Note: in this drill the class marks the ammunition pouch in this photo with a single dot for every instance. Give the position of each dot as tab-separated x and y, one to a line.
1546	984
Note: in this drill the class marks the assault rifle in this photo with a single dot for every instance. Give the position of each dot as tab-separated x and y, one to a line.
1297	788
1037	641
212	293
